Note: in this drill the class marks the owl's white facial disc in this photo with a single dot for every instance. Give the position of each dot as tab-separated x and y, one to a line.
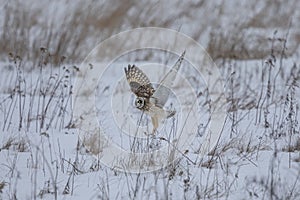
139	102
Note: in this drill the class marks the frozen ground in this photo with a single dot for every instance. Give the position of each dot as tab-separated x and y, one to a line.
42	155
257	157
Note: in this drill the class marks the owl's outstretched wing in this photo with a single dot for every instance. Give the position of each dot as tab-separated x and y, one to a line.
139	83
161	95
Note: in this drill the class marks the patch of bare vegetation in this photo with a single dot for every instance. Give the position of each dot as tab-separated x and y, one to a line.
38	102
74	31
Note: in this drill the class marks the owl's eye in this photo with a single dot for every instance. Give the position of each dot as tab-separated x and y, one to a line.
139	102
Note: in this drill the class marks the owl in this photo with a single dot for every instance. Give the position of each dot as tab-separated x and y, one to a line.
148	99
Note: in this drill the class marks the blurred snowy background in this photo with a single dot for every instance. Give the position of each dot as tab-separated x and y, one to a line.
235	29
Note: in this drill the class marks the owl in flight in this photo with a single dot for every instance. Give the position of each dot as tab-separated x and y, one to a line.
148	99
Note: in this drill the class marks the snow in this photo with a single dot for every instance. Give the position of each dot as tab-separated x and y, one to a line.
44	154
244	165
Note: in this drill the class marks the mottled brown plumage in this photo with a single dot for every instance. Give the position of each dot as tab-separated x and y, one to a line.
149	100
139	83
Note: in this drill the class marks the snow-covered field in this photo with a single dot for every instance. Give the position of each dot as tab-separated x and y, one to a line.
257	155
46	154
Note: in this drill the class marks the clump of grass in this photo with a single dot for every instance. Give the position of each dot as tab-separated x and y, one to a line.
71	33
38	103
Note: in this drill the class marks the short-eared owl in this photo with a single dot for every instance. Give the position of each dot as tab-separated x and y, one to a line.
148	99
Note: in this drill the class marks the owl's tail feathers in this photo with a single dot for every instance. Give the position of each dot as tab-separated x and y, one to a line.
155	124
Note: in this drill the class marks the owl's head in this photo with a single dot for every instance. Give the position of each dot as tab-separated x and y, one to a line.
139	102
